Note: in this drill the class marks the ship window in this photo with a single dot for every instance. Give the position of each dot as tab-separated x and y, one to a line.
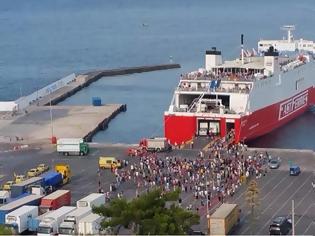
296	85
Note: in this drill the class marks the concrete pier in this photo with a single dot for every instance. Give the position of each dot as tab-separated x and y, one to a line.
87	78
67	122
31	122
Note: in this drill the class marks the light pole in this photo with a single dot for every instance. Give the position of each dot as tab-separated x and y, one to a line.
293	227
51	115
207	202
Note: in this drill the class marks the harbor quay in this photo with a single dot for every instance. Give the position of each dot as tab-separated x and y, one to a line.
276	188
37	118
67	122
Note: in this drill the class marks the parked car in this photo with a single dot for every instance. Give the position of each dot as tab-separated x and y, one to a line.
33	172
280	226
7	185
274	163
42	168
295	170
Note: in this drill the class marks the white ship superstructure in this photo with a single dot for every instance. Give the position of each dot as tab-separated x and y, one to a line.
252	94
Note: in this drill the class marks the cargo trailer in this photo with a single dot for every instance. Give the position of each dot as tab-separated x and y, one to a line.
30	200
25	186
71	223
90	225
18	219
224	219
50	223
52	180
94	199
55	200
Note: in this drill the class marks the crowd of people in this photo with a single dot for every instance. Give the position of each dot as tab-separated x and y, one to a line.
213	174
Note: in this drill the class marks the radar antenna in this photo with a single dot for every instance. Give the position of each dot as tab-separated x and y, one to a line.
289	29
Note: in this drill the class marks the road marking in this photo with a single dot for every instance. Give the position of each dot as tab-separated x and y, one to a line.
274	188
308	227
284	202
309	207
275	199
263	183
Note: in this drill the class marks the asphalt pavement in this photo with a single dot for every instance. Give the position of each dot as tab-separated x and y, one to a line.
277	188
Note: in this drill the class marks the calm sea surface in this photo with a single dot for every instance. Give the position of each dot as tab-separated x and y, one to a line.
42	41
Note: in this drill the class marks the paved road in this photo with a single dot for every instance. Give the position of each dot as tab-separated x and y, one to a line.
277	189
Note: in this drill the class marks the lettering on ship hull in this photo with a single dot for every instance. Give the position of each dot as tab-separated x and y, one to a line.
293	104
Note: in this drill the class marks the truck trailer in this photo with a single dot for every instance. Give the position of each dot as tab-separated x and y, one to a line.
29	200
224	219
90	225
55	200
158	144
18	219
94	199
72	146
33	223
50	223
25	186
71	223
52	180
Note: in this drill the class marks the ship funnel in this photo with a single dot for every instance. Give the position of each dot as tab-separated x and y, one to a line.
213	58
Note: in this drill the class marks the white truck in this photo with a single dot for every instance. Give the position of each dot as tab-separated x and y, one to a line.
4	197
72	146
94	199
90	225
71	223
49	225
18	219
158	144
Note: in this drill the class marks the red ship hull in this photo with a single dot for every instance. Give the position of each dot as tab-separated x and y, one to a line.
182	128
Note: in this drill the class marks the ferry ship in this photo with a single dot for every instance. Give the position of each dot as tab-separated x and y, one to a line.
253	94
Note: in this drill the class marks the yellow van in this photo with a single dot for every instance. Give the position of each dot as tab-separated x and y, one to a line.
109	162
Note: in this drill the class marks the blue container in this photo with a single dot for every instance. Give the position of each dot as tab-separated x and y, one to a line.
52	178
96	101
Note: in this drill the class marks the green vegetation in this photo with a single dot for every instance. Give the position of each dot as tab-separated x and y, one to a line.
5	230
152	213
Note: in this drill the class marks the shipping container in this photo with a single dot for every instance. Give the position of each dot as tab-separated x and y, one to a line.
55	200
25	186
18	219
30	200
94	199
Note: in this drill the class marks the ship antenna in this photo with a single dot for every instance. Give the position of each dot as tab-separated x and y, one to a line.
242	48
289	29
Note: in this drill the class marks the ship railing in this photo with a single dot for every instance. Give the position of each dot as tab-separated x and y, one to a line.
220	89
223	77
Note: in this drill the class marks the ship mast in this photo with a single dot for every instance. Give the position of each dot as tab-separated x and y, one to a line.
289	29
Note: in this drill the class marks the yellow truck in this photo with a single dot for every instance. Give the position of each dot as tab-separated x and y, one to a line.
65	171
222	221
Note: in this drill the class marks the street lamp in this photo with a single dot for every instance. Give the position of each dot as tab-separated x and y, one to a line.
51	116
207	202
